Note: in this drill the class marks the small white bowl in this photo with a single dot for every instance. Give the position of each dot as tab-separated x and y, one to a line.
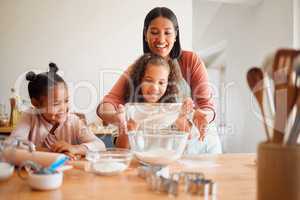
45	181
6	170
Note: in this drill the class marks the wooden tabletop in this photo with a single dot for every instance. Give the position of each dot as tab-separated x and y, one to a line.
233	173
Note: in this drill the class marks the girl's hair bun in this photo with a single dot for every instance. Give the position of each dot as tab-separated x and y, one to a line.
30	76
53	68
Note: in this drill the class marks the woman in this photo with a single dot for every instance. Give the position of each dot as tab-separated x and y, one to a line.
161	37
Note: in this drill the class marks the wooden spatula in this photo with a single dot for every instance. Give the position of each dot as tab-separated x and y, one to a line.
294	133
255	78
285	90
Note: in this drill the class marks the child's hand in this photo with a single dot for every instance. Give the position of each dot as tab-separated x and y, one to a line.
121	116
187	107
183	124
122	139
64	147
132	125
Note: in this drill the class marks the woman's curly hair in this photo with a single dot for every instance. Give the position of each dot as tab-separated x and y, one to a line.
137	72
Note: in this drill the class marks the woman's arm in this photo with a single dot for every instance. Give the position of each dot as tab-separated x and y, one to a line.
107	112
107	108
182	122
195	73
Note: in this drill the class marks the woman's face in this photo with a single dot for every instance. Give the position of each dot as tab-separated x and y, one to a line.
54	106
154	83
161	36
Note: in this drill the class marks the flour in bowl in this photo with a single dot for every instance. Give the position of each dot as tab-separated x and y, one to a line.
158	156
108	168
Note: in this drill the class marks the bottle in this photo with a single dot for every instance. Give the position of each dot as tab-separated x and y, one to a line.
14	111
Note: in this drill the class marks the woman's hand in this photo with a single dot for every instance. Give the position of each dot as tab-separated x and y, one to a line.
201	122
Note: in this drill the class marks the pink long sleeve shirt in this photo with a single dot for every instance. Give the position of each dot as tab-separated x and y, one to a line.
33	127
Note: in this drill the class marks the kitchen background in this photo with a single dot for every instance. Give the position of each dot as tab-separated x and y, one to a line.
93	41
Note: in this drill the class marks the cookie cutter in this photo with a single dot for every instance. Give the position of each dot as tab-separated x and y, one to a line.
194	182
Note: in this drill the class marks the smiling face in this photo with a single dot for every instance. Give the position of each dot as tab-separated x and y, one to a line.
161	36
154	82
54	106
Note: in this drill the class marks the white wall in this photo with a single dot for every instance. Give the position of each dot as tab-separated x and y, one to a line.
296	12
82	37
251	33
298	26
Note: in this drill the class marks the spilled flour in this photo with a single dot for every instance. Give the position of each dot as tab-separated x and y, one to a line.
158	156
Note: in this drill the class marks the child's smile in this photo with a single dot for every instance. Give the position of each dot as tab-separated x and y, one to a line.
154	83
55	104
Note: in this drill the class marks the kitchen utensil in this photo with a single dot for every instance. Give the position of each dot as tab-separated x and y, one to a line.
163	181
64	168
278	172
6	170
45	181
153	115
157	147
267	68
294	133
58	163
285	90
17	156
255	78
110	162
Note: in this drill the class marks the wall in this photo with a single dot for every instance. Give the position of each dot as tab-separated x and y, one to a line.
296	5
84	38
251	33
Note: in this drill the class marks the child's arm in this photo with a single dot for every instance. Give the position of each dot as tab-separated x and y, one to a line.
85	140
88	140
122	139
124	127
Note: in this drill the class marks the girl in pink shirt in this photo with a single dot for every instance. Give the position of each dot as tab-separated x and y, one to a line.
49	125
153	79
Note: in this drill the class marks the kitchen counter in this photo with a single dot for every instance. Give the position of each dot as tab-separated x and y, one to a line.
234	174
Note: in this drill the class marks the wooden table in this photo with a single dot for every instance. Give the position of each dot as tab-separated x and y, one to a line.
234	174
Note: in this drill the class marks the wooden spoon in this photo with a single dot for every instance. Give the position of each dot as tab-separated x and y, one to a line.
285	91
255	78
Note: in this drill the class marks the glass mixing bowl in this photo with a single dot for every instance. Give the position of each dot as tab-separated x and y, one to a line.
110	162
157	147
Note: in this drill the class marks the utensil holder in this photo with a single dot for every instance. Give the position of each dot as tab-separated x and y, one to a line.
278	172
